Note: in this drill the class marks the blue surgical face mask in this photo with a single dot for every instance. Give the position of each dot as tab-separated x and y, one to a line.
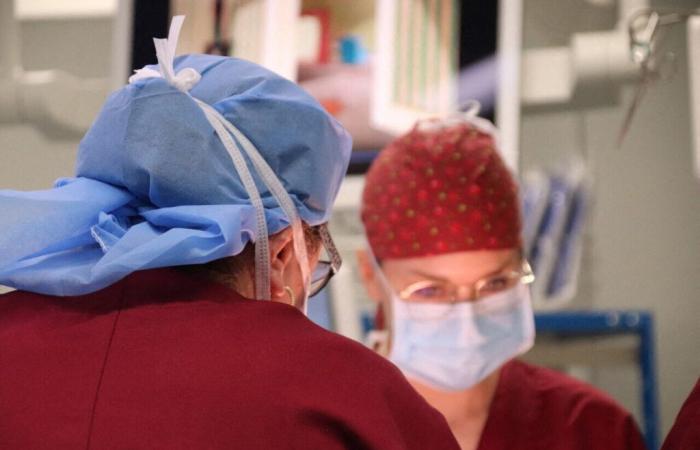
452	347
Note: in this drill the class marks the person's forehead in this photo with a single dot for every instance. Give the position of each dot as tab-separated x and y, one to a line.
457	267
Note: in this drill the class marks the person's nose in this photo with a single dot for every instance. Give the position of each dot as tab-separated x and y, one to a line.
465	293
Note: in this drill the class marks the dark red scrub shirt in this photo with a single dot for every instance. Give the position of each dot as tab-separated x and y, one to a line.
164	360
538	408
685	433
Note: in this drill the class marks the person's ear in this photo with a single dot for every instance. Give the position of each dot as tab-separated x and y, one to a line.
369	276
281	255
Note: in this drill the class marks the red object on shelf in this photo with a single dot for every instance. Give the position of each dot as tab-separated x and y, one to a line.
324	17
334	106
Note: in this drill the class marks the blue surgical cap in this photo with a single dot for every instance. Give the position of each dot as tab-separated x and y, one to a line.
155	186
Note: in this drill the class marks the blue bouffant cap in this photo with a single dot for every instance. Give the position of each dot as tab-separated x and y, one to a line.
153	139
155	186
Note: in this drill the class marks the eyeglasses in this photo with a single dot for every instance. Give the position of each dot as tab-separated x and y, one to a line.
425	300
431	291
326	268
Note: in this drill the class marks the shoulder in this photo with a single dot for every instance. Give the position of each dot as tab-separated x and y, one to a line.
366	393
576	409
280	339
685	432
19	309
558	390
15	301
334	384
350	359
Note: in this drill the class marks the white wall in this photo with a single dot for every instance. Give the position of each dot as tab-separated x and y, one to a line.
53	37
644	234
30	160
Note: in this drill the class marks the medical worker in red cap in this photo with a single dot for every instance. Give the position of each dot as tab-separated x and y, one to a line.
441	213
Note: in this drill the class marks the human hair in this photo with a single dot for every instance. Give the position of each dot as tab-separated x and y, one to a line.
229	269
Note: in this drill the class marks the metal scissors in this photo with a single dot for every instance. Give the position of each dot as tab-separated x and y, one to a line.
646	31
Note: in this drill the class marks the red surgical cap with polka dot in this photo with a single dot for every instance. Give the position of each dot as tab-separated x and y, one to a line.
440	190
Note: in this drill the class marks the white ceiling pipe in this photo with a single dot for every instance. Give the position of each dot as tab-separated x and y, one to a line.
625	8
121	43
9	43
9	61
602	58
53	100
58	102
510	41
551	76
693	33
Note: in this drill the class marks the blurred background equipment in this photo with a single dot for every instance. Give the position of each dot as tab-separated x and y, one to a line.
555	204
694	75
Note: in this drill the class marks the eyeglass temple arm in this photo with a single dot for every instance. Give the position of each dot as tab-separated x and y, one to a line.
327	240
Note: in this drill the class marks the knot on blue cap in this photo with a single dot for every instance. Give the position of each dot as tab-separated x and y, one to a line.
186	78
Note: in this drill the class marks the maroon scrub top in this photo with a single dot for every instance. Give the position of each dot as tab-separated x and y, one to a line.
165	360
538	408
685	433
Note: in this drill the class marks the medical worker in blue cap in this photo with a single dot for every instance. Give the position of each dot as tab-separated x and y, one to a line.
202	185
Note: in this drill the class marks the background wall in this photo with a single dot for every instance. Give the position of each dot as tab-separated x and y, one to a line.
31	160
72	36
643	247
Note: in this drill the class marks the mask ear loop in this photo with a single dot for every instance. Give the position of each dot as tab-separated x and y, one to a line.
383	339
283	199
184	81
388	290
279	193
262	246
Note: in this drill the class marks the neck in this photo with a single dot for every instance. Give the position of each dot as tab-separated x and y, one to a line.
242	285
469	405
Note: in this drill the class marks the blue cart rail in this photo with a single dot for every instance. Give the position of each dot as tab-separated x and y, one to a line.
598	323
